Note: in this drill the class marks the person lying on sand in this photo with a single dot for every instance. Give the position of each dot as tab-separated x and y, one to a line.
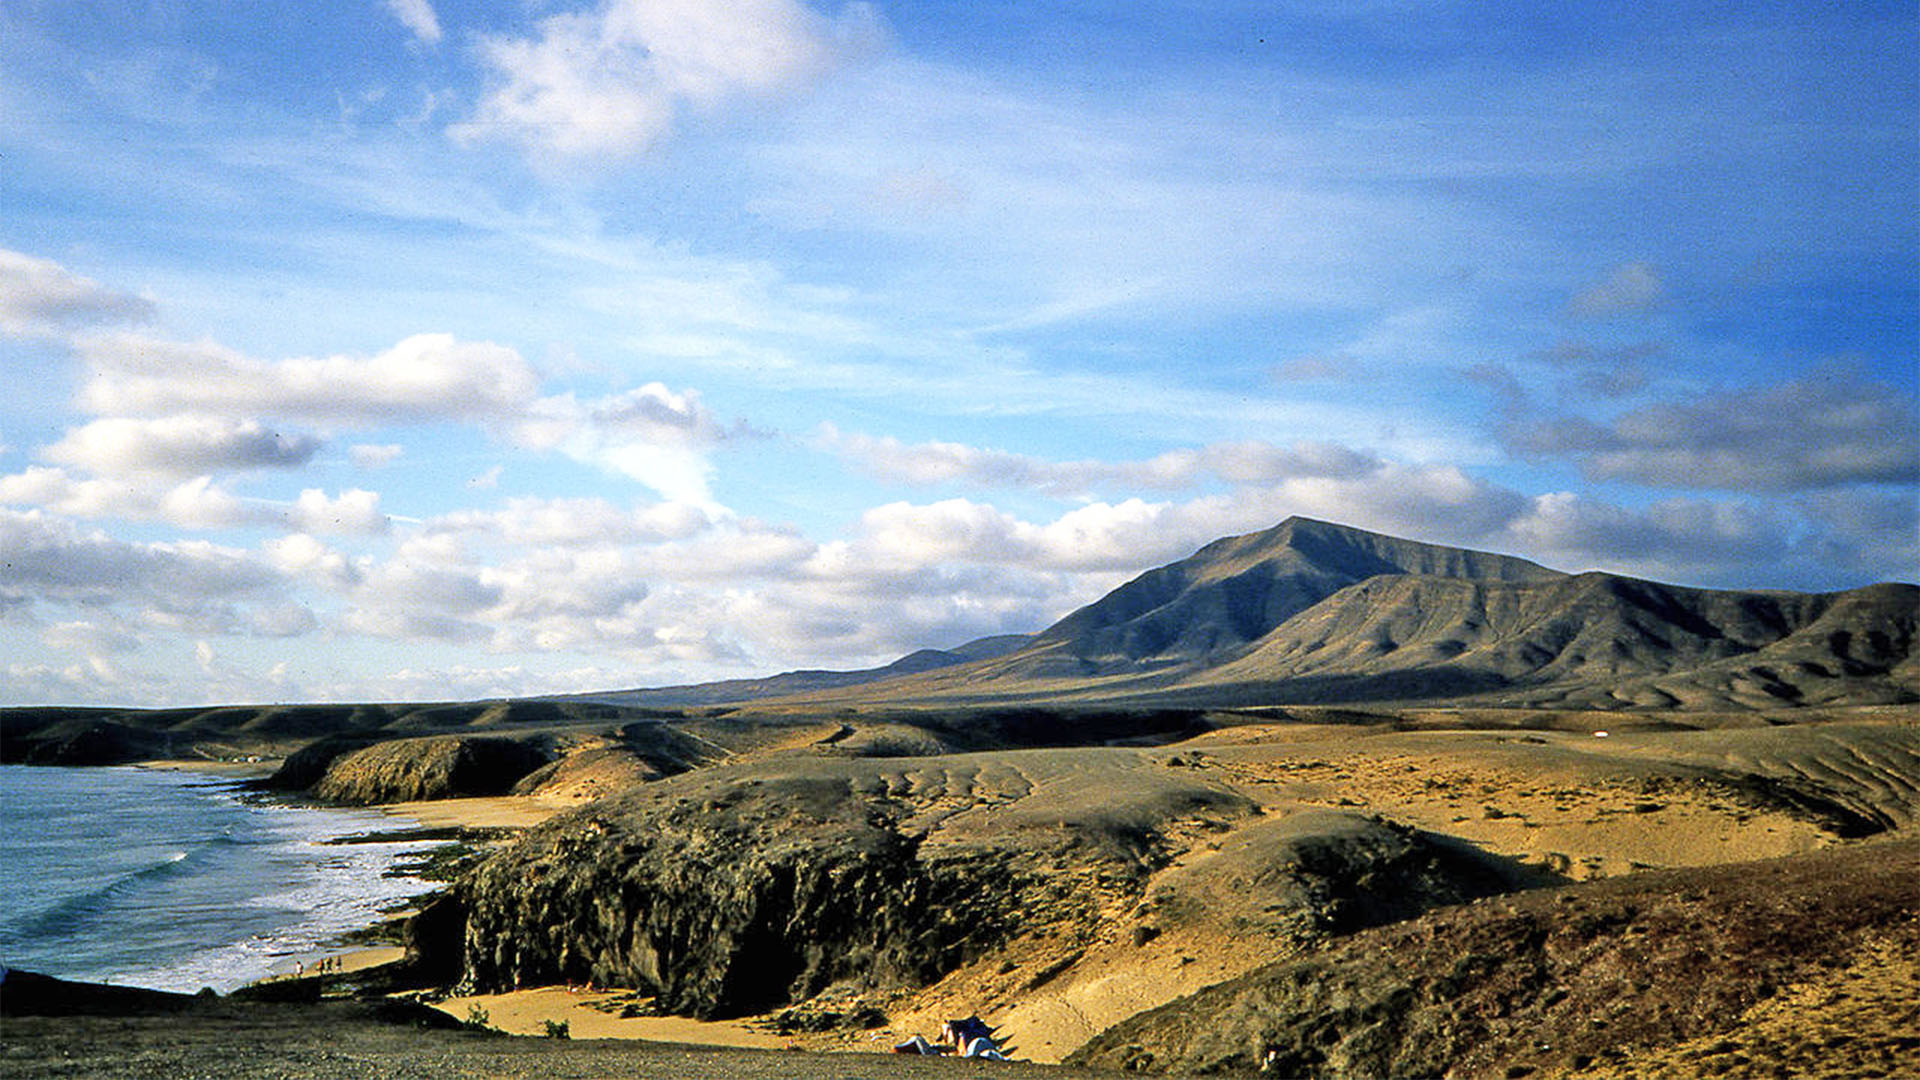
919	1045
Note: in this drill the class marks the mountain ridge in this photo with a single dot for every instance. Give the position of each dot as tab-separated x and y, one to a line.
1314	611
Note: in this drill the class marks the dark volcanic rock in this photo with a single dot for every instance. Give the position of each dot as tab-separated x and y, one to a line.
94	742
304	767
27	993
725	893
436	767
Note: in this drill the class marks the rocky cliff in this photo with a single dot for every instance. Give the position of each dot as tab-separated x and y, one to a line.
435	767
730	891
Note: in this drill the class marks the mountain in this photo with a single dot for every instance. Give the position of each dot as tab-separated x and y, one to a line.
1310	611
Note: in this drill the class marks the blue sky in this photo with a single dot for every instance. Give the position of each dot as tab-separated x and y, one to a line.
415	349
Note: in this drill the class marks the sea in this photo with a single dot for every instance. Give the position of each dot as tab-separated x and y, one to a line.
177	880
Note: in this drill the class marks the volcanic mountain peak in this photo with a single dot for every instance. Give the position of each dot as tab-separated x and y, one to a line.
1236	590
1360	554
1311	611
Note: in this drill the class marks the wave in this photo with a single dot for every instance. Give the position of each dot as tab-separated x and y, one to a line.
76	913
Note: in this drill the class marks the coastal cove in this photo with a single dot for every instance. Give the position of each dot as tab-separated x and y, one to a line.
171	879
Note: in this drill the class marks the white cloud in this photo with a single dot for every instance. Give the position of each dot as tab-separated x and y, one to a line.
195	503
48	559
93	636
419	19
287	620
413	601
301	555
40	297
423	378
179	445
1673	541
352	511
200	504
649	434
536	522
612	80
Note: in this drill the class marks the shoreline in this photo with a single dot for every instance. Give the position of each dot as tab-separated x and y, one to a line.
320	887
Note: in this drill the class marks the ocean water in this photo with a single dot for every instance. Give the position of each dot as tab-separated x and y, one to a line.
172	880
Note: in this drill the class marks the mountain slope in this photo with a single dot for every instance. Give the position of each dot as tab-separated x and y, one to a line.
1237	590
1309	611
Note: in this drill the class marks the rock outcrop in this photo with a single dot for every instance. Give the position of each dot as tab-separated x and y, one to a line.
730	891
435	767
740	889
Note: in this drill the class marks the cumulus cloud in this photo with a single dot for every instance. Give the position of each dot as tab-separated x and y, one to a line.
414	601
419	19
1799	435
303	556
160	398
538	522
612	80
1677	539
1863	534
352	511
47	558
423	378
1631	288
94	636
196	503
39	297
180	445
650	434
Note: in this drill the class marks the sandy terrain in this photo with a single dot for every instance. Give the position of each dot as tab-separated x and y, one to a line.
594	1014
1563	806
232	770
486	812
1555	804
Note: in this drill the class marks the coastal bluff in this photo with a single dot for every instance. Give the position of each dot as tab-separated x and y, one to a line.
734	891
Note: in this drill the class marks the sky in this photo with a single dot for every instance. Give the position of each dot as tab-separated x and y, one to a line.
452	349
